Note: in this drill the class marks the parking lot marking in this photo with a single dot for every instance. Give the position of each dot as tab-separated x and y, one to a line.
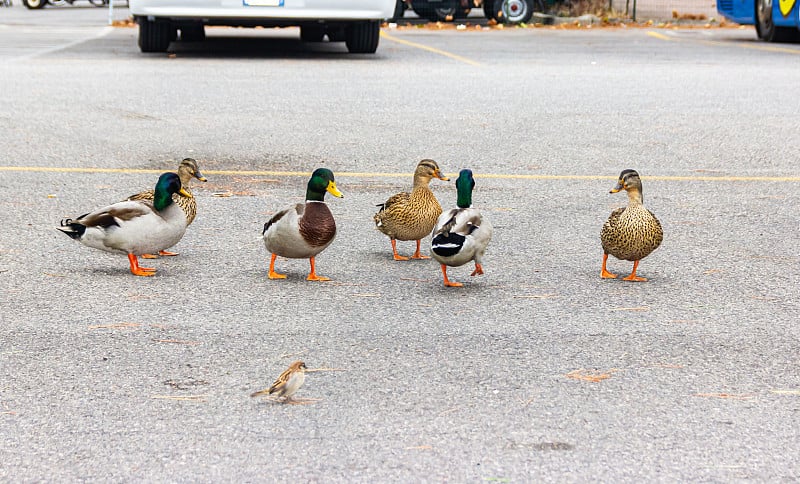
659	35
56	48
355	174
717	43
429	49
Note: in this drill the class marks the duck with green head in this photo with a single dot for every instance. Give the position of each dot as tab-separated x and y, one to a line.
134	227
630	233
461	234
187	170
303	230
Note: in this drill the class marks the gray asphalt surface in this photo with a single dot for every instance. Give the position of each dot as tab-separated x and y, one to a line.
697	368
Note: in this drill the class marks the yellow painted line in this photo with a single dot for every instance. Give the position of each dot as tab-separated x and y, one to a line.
429	49
357	174
717	43
659	35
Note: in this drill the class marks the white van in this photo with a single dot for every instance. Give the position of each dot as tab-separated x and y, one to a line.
355	22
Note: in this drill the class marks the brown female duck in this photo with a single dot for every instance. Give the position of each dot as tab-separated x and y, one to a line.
632	232
411	216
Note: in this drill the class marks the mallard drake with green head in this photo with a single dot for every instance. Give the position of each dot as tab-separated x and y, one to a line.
411	216
134	227
632	232
186	171
304	230
461	234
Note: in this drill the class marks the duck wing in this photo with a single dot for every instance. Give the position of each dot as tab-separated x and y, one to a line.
298	212
452	229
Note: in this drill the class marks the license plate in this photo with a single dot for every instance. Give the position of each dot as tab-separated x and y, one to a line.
262	3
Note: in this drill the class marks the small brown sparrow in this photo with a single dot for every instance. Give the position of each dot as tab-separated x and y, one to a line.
288	383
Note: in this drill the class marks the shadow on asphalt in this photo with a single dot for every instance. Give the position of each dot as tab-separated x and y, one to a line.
261	48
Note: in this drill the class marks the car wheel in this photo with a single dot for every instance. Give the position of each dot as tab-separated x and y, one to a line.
448	14
439	13
193	33
312	33
765	26
399	10
34	4
515	11
154	35
362	37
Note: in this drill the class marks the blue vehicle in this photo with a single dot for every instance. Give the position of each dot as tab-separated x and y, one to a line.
775	21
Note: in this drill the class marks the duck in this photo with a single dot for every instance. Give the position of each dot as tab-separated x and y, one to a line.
303	230
411	216
187	170
461	234
631	233
134	227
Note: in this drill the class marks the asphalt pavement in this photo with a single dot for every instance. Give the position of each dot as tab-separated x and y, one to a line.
537	371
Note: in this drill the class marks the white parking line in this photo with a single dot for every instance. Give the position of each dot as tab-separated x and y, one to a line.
53	44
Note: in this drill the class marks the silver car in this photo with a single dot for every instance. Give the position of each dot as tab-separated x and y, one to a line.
355	22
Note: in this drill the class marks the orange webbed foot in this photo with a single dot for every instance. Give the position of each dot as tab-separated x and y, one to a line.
312	276
448	282
167	253
478	270
394	252
633	277
417	255
603	272
607	275
139	271
272	274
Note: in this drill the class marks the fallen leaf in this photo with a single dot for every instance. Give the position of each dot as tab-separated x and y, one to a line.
311	370
365	295
640	308
420	447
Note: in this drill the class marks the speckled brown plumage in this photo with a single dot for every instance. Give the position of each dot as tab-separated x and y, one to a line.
186	171
633	232
411	216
